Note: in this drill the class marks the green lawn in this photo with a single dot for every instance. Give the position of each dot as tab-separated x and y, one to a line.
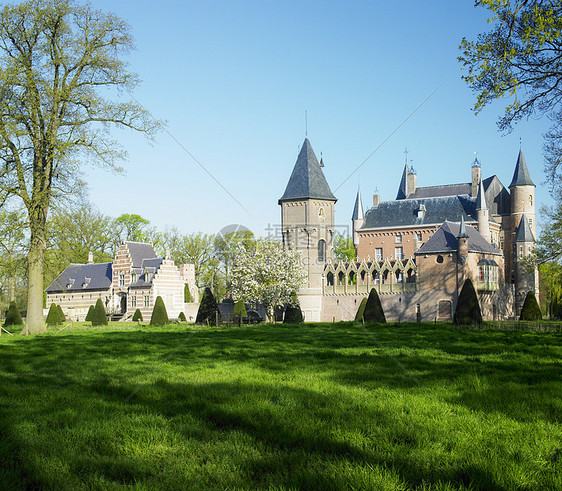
317	406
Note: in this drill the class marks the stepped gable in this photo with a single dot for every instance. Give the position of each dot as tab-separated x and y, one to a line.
307	180
80	277
445	240
400	213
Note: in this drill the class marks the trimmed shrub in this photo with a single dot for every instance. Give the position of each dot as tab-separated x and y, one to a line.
361	310
468	308
137	316
181	317
373	311
187	297
159	315
293	314
53	317
90	314
62	317
239	312
207	308
98	317
531	310
13	316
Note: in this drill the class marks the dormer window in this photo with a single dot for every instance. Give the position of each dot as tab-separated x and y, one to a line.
133	277
70	283
420	212
86	282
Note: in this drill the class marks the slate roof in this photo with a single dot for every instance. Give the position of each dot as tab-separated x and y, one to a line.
140	251
402	188
524	232
152	265
481	197
73	278
521	176
445	240
439	191
358	208
400	213
307	180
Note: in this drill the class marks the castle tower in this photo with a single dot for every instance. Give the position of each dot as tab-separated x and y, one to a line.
357	219
525	280
408	183
482	213
462	238
307	219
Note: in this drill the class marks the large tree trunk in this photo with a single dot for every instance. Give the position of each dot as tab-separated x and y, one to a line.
35	323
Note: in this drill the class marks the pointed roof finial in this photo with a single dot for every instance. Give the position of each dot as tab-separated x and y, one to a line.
462	230
321	160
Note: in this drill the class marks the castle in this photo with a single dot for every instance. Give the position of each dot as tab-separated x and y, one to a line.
417	250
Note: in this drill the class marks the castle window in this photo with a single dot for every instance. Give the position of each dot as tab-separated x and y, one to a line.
378	254
488	275
419	236
146	301
121	279
439	259
520	252
531	199
321	213
530	222
501	242
399	253
398	239
330	279
376	277
133	301
321	250
134	278
399	277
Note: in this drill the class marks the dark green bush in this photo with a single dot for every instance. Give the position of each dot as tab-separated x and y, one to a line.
373	309
187	298
181	317
293	314
361	310
13	317
159	315
207	308
531	310
90	314
468	308
239	312
53	317
137	316
98	317
62	317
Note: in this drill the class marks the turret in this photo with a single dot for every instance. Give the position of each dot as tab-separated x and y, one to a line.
408	183
482	212
525	280
357	219
476	177
522	189
462	248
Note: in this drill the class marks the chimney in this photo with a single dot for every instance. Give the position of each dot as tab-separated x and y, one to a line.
376	200
90	258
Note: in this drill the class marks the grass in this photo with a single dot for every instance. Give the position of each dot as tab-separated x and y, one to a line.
317	406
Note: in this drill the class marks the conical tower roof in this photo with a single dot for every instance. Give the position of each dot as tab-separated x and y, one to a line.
524	232
481	197
521	176
307	180
402	189
462	229
358	208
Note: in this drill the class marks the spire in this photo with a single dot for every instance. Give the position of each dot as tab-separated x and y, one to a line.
481	197
307	180
358	208
521	176
462	230
403	182
524	232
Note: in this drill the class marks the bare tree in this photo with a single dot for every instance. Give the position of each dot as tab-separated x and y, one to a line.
58	62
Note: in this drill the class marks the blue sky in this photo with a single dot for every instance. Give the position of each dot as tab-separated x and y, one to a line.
233	81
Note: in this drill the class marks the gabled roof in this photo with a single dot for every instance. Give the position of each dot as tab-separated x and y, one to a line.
140	251
358	208
151	266
521	176
307	180
404	212
524	232
445	240
83	277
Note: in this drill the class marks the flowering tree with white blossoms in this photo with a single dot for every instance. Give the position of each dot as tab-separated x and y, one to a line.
267	274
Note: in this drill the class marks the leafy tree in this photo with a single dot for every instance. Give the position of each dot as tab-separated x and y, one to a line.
13	316
518	59
99	318
239	312
181	317
207	308
267	274
361	310
531	310
468	308
227	245
90	314
187	298
58	63
344	250
137	316
13	245
131	227
373	309
159	315
53	317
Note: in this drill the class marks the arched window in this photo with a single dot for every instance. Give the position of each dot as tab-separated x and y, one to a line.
321	250
330	279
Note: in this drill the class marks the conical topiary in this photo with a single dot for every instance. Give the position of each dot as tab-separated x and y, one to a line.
99	318
137	316
468	308
531	310
373	309
159	315
181	317
207	308
187	298
293	314
361	310
239	312
62	317
53	317
13	316
89	314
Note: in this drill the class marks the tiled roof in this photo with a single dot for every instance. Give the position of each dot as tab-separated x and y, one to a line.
83	277
307	180
521	176
445	240
140	251
399	213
